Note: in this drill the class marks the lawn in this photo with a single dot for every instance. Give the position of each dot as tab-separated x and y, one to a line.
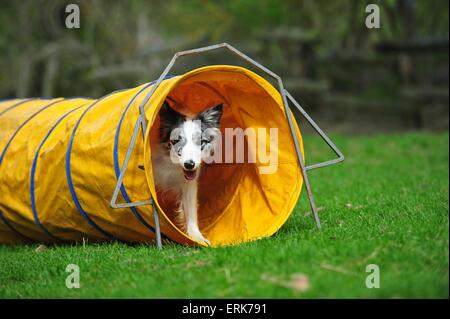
387	204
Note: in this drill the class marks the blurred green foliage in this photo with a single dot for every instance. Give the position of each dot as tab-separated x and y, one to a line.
125	43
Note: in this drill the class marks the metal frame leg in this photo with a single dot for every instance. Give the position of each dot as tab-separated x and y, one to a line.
302	165
119	183
286	95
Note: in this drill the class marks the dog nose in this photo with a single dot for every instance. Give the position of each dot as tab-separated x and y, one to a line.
189	164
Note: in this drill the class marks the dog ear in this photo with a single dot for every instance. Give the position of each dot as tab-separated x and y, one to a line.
169	120
211	117
168	114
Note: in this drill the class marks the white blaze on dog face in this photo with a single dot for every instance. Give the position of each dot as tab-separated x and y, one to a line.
186	144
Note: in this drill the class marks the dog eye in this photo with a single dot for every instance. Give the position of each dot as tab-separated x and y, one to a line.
173	142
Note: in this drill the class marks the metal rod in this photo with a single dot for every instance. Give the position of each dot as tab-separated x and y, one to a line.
157	226
120	181
312	203
113	202
322	135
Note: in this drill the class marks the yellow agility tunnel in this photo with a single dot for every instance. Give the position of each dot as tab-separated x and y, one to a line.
61	158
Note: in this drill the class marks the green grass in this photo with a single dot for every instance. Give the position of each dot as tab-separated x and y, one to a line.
387	204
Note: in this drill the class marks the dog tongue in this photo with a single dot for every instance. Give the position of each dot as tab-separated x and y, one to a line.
190	175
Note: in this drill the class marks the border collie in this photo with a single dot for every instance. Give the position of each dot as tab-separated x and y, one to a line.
184	143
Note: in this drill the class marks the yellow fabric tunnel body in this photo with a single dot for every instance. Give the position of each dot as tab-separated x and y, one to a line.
60	160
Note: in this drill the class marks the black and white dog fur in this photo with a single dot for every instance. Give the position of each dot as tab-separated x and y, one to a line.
184	143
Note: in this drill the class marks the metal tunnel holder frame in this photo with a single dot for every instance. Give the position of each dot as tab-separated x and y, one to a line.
286	97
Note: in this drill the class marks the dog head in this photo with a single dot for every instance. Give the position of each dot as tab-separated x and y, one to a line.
190	139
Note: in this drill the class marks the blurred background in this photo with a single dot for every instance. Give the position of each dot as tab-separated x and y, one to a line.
350	78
